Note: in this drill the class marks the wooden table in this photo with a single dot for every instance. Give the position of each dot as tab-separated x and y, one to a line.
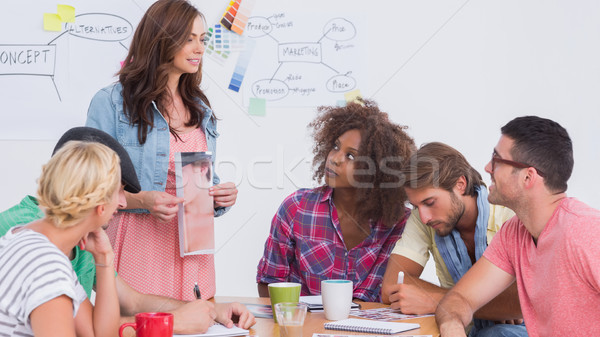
265	327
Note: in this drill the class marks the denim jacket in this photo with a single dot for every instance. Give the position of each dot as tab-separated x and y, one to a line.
151	160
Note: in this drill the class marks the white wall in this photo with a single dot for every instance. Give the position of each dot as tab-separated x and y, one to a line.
453	71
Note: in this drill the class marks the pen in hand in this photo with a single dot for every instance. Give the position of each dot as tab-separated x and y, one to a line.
197	291
400	280
199	296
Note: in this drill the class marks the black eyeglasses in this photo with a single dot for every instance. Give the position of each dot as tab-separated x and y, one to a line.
496	159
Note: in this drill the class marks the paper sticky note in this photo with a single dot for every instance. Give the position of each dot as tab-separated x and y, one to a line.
66	13
341	103
351	96
52	22
258	106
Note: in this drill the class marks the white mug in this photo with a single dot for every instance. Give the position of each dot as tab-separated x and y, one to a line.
337	298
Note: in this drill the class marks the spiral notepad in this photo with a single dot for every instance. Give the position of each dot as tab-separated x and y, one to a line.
370	326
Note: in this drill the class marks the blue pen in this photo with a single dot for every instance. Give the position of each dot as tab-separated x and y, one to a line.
197	291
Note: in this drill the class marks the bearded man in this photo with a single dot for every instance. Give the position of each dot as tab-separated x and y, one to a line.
453	221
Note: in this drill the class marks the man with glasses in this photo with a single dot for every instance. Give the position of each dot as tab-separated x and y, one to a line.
550	247
453	221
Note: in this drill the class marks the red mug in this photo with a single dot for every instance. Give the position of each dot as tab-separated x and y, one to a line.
151	324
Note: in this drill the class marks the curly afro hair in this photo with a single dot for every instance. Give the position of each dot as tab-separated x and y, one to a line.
384	148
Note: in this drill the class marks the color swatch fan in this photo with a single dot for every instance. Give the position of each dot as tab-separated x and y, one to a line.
236	15
241	66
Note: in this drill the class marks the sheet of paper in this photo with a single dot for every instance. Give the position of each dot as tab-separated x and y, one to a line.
315	303
383	314
219	330
312	300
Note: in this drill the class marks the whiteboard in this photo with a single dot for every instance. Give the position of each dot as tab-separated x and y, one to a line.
452	71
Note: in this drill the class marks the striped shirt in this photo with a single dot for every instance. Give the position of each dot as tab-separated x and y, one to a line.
33	271
306	246
28	211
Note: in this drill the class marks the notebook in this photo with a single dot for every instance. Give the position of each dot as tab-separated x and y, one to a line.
370	326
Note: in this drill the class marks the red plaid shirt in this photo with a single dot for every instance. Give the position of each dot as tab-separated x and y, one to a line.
306	246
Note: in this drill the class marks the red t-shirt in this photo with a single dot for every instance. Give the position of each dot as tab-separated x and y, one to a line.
559	279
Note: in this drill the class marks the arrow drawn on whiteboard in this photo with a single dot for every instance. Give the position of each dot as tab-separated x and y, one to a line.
56	88
280	64
61	34
337	72
327	32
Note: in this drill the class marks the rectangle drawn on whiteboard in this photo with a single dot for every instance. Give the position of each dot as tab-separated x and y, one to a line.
300	52
23	59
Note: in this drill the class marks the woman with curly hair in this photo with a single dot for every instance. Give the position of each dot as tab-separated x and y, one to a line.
346	228
155	110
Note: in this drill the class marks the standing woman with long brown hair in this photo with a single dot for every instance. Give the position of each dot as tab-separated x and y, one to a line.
156	109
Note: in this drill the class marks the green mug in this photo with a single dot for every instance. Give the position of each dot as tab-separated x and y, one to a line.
283	292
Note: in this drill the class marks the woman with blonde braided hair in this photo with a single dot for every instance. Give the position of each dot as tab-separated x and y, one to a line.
79	190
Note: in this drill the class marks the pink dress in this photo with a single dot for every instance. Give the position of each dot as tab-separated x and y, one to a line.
147	251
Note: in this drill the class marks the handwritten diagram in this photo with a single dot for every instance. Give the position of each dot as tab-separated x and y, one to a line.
287	72
40	59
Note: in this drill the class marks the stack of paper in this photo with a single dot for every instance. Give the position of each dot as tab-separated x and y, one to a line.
315	303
